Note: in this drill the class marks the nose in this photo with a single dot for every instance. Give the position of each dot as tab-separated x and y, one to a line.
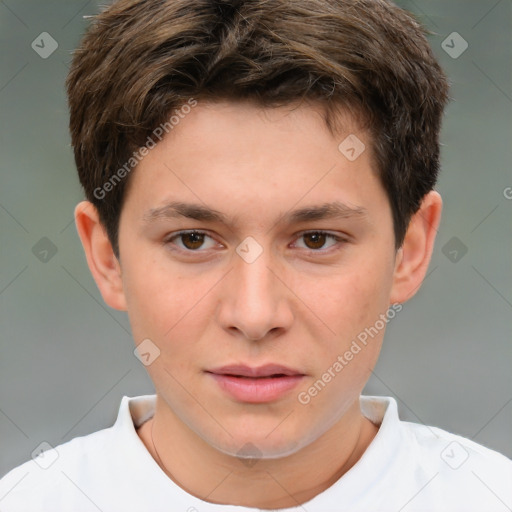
256	303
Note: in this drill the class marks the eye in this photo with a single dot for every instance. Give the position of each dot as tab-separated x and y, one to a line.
194	240
190	240
315	240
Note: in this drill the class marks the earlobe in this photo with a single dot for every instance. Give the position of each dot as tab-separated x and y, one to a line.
102	261
414	256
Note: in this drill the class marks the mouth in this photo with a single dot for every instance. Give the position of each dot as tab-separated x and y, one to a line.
256	384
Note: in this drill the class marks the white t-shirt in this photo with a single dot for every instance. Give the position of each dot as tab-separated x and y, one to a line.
407	467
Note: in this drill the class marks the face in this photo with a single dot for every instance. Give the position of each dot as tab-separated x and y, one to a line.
252	274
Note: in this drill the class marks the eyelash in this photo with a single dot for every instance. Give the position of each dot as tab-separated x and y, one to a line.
340	240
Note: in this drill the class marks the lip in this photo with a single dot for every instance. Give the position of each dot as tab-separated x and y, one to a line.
256	384
267	370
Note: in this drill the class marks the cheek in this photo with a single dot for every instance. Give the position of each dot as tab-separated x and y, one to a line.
341	363
356	298
167	309
160	300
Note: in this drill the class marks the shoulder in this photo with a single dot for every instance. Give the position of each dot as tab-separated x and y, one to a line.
89	472
48	480
454	464
452	449
429	468
432	446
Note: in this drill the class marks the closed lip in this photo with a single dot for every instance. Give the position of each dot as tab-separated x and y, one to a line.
267	370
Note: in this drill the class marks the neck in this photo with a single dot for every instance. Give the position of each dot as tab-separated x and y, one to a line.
212	476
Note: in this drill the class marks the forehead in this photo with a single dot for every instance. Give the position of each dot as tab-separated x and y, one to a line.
228	155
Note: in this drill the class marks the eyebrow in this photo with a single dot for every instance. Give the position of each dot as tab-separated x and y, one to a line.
176	209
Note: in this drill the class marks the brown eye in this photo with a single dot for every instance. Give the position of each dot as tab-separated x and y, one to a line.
192	241
315	240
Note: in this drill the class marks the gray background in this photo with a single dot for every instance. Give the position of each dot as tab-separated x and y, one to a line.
66	359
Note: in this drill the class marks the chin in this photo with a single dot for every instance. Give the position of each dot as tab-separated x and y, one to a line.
249	452
250	448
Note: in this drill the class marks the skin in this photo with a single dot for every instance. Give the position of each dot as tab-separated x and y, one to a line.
300	303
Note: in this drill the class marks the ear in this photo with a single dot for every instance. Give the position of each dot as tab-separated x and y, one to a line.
414	255
102	261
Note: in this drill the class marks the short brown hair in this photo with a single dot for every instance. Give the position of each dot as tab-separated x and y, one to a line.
140	59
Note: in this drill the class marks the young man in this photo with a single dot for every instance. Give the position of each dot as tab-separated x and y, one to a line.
259	179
